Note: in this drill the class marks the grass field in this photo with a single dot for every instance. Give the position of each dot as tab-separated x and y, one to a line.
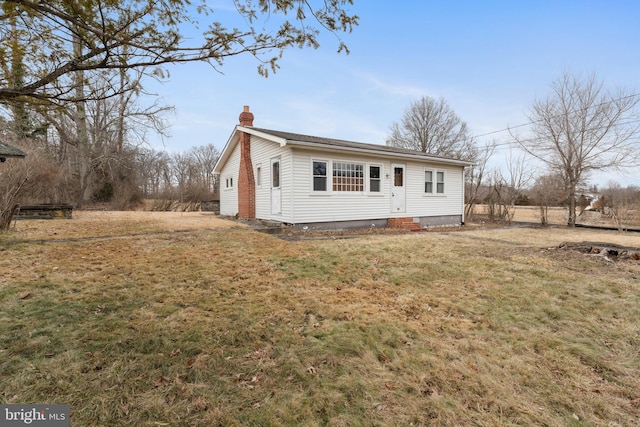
165	319
630	217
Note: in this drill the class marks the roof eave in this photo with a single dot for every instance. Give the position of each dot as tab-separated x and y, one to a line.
373	151
227	150
235	138
264	135
7	151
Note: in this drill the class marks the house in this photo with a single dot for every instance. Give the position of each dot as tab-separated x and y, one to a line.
7	151
325	183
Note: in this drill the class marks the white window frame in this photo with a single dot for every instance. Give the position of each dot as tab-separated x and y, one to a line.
433	175
329	165
259	175
327	172
435	184
229	182
349	162
379	179
443	182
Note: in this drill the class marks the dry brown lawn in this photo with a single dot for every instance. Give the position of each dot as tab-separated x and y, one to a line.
170	319
119	223
558	216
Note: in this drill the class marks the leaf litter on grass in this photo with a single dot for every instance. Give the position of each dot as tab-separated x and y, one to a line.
234	327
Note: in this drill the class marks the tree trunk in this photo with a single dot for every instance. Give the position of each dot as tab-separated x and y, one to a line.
6	216
572	205
20	114
83	155
544	214
122	108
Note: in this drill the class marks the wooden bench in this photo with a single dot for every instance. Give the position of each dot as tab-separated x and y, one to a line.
45	211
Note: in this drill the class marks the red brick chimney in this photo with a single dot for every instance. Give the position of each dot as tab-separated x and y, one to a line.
246	181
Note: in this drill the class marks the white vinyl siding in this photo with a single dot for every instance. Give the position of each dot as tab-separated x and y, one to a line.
314	206
258	176
449	203
229	192
262	151
301	204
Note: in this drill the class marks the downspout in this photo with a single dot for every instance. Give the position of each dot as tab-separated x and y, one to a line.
463	195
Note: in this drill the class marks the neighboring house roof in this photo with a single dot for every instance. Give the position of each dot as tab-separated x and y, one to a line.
317	142
8	151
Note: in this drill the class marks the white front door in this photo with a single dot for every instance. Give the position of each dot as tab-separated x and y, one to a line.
398	188
276	196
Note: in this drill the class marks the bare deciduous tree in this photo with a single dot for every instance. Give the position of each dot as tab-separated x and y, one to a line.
23	180
205	158
581	128
475	176
621	204
64	60
155	177
548	190
431	126
98	138
506	186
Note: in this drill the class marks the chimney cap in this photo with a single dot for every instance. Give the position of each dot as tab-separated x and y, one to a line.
246	117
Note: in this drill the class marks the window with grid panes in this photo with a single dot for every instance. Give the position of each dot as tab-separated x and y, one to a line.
348	176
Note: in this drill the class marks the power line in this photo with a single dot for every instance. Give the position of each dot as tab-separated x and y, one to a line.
554	117
512	142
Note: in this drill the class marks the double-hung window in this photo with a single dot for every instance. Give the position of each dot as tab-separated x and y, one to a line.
319	175
428	181
374	178
440	182
433	182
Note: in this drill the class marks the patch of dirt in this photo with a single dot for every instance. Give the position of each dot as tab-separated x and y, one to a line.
609	251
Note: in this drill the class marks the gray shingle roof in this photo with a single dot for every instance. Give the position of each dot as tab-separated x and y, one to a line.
8	151
295	137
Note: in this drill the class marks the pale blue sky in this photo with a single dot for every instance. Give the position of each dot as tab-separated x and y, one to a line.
488	59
